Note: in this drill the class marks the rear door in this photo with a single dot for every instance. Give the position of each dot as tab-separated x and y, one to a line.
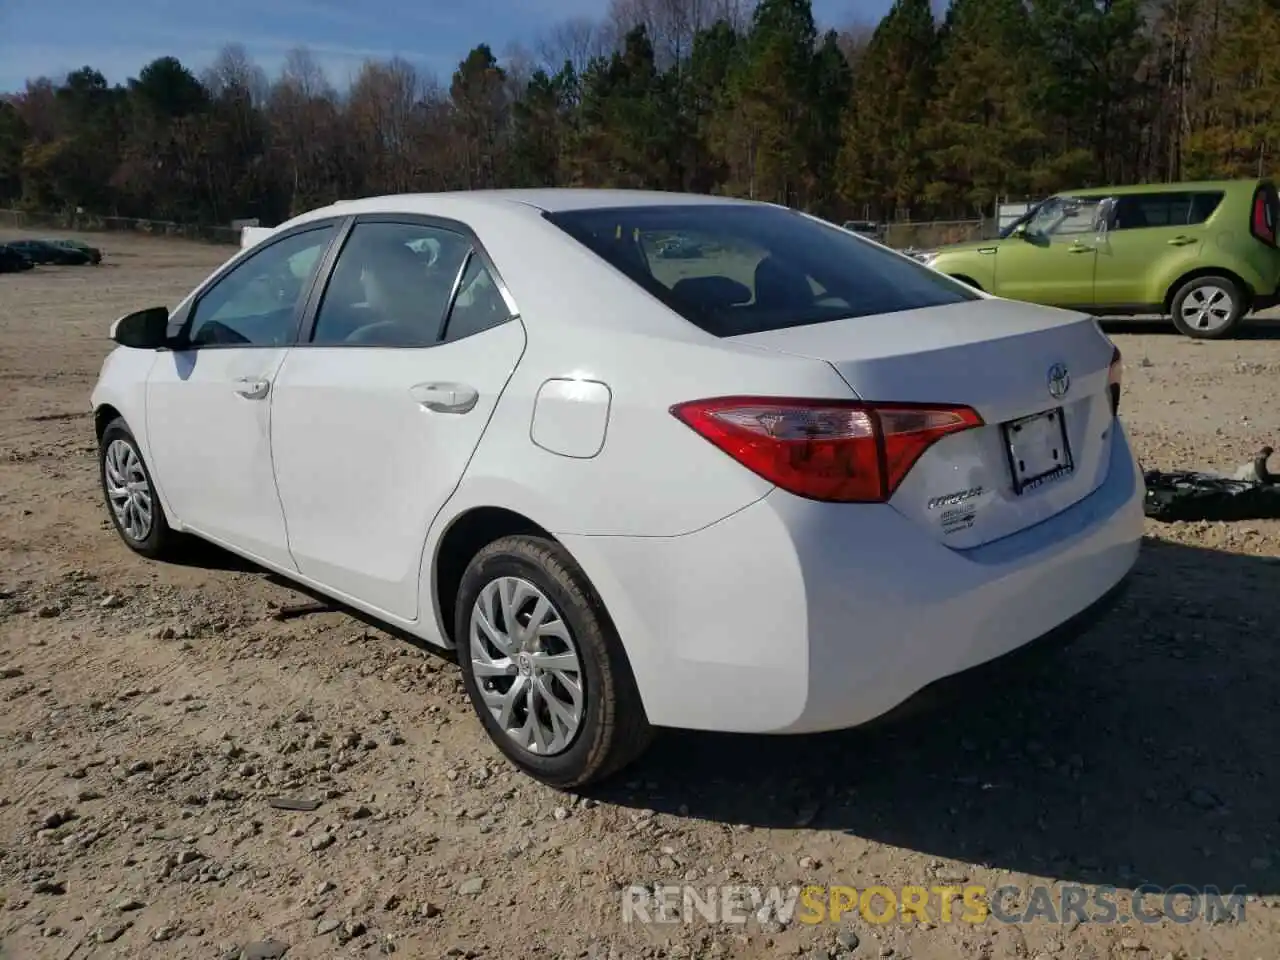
1053	260
1151	233
376	414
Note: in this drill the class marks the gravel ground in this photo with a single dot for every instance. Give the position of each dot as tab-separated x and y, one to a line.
149	713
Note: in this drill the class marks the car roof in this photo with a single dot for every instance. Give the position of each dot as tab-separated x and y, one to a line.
548	200
1137	188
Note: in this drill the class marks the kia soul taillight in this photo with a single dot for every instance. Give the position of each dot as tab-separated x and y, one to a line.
833	450
1262	218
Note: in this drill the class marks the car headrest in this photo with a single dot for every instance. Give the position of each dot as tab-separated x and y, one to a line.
778	286
711	292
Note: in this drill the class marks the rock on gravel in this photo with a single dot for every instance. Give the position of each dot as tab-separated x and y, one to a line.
264	950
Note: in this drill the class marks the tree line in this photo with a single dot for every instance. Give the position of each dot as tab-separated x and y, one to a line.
911	117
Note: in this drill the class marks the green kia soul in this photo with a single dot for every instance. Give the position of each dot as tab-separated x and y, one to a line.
1204	253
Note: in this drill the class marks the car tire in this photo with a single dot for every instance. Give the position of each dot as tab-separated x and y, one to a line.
524	575
1208	308
123	473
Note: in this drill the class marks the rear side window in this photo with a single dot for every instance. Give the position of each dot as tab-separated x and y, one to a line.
1264	214
390	286
737	269
1178	208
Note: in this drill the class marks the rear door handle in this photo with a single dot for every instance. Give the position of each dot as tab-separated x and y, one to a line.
1181	241
252	388
445	397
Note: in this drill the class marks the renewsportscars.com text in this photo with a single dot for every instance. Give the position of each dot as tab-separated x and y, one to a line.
970	903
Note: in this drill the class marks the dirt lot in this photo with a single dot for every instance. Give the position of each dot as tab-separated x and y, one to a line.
148	713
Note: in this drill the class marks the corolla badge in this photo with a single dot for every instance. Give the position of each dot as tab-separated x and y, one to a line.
1059	381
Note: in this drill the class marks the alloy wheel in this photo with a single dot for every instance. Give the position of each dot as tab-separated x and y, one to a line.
526	666
1208	308
128	490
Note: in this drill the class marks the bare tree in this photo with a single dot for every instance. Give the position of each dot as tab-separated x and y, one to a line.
305	75
383	106
576	41
233	68
673	24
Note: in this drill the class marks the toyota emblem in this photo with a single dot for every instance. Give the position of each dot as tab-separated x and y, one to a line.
1059	381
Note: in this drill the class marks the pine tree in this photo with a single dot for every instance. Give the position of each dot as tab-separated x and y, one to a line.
1241	133
983	131
762	133
884	162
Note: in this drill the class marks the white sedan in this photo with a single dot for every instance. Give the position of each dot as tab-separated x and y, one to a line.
777	485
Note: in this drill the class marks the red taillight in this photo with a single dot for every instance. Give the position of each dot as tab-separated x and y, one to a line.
1262	223
1115	376
835	450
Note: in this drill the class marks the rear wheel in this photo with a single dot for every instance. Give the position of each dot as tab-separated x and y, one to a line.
543	665
1208	308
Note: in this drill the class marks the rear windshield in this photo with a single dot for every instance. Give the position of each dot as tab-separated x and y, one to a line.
734	270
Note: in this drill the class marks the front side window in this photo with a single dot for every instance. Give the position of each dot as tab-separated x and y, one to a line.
1068	217
390	286
256	303
735	269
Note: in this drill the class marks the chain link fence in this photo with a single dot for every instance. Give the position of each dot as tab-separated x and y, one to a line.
926	234
91	223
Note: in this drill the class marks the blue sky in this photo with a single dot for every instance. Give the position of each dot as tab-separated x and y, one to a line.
54	37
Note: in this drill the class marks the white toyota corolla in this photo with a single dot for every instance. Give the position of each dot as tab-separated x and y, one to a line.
643	460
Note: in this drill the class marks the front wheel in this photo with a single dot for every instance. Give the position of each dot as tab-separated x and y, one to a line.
1208	308
131	496
543	665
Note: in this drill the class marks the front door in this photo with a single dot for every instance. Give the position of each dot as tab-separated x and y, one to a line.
375	418
209	403
1052	261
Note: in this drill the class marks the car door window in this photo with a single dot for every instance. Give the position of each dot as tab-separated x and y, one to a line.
390	286
479	304
1061	217
256	303
1173	209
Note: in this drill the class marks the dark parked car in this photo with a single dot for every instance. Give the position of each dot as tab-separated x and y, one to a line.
42	251
870	229
95	255
13	261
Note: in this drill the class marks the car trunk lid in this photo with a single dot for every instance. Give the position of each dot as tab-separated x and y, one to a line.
1033	374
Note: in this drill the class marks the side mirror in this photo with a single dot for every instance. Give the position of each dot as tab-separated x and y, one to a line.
143	330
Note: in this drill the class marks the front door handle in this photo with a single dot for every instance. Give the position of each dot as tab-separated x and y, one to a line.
1181	241
1079	248
252	388
445	397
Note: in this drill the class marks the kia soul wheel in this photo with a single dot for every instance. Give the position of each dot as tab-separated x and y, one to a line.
1208	308
543	666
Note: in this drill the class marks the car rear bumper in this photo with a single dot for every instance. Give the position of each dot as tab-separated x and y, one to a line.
793	616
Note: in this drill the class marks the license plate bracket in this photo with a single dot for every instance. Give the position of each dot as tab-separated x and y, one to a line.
1038	449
